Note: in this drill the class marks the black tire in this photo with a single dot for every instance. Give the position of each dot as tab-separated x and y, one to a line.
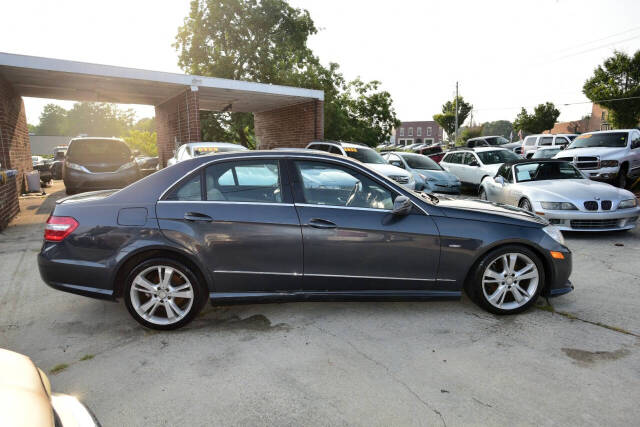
483	194
621	179
525	204
200	293
474	285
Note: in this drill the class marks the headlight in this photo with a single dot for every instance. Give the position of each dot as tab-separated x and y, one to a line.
126	166
558	206
609	163
76	167
554	233
629	203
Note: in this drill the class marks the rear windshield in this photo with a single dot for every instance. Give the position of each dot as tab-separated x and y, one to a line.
92	150
613	139
365	155
417	161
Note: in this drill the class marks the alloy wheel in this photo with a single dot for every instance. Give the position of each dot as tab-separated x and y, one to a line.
510	281
162	295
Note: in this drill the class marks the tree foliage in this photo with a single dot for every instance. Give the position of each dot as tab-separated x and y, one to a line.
618	77
53	121
447	120
266	41
498	128
470	132
543	118
144	141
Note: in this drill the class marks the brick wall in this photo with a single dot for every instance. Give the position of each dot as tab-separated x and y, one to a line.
15	149
293	126
178	119
8	201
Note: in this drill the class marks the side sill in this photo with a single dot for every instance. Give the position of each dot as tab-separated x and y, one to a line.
332	295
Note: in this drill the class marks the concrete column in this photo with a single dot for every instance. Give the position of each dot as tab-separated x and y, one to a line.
177	122
293	126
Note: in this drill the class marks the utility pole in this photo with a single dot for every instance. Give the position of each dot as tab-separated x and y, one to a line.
456	104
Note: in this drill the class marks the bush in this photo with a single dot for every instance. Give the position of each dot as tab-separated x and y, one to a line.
143	141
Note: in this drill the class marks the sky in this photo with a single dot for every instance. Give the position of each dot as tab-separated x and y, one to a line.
504	54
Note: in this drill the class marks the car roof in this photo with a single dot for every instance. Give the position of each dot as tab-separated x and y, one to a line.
610	131
478	149
211	144
342	144
96	138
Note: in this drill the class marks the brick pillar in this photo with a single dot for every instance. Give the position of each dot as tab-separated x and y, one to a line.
293	126
15	148
177	122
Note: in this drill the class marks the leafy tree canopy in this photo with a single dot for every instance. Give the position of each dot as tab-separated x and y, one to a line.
543	118
618	77
143	141
499	127
266	41
53	121
448	117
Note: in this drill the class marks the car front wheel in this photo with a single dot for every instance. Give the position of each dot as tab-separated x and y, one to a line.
507	280
163	294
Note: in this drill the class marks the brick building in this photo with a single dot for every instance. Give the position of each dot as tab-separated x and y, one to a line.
598	120
419	132
178	100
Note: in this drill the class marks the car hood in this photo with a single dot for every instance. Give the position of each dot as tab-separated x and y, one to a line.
560	190
438	175
604	152
387	170
483	210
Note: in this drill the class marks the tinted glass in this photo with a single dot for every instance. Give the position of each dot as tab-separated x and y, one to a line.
246	181
94	150
416	161
469	158
613	139
335	150
561	140
496	140
546	154
321	147
530	140
365	155
189	190
546	171
546	140
498	156
333	185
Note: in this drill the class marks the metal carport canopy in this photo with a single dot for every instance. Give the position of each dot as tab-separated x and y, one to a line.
41	77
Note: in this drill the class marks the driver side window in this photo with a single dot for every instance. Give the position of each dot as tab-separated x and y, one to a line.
333	185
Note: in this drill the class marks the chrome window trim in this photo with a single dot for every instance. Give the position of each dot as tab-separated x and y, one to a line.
311	205
368	277
227	202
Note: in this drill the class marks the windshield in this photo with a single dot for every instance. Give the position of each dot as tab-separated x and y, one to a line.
613	139
364	155
546	171
416	161
497	156
546	154
496	140
98	150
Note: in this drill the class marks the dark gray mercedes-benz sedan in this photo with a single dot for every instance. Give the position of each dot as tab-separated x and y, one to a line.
278	225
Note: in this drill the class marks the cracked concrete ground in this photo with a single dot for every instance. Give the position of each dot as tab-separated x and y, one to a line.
338	363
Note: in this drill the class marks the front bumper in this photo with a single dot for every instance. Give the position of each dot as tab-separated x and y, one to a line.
602	174
621	219
442	187
84	181
560	270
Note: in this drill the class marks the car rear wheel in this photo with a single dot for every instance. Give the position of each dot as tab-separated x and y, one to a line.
507	280
162	293
483	194
525	204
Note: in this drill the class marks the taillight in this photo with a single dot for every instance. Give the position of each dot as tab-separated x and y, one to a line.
59	227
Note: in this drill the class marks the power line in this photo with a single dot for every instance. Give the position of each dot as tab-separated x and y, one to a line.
562	104
596	40
594	48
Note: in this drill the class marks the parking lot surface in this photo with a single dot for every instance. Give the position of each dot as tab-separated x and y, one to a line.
574	362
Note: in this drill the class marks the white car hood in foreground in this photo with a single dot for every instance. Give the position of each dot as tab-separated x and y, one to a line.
492	170
573	190
388	170
603	152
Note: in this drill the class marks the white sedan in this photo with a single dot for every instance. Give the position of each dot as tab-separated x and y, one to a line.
197	149
559	192
471	166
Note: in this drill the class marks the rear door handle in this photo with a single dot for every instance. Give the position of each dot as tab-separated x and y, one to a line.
197	216
321	223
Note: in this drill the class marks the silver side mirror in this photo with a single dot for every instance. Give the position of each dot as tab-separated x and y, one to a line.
402	205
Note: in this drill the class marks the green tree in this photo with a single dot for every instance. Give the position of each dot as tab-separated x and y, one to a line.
147	124
499	127
618	77
144	141
543	118
447	120
53	121
266	41
470	132
99	119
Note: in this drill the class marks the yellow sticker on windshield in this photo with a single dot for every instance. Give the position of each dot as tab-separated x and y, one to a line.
351	149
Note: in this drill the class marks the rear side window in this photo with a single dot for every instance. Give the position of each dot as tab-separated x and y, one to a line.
245	181
545	140
321	147
335	150
530	140
190	190
452	158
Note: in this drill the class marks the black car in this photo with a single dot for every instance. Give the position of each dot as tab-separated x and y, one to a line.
98	163
58	162
278	225
147	165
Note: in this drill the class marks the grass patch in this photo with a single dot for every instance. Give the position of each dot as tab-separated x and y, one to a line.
58	368
87	357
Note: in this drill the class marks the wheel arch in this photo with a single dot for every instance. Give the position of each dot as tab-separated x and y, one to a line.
135	258
548	270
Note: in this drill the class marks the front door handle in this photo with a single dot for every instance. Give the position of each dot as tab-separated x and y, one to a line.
197	216
321	223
